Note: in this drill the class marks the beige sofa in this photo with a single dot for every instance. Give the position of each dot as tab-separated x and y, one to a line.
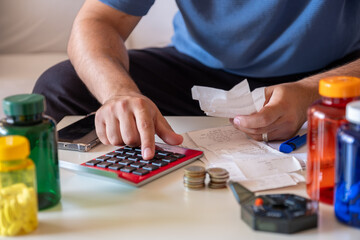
34	35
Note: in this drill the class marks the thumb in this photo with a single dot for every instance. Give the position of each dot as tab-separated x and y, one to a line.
266	116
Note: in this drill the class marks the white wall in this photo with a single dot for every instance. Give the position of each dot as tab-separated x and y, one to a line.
28	26
34	26
155	29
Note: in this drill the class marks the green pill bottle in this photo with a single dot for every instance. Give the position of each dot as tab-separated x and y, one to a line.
25	117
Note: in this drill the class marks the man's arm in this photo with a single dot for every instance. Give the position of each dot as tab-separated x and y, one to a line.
97	51
97	39
286	105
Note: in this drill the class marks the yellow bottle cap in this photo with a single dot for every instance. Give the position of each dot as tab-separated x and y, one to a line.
340	87
14	148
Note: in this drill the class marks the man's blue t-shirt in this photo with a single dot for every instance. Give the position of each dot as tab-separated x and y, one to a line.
261	38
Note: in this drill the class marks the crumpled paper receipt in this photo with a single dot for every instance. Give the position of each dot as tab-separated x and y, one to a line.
237	101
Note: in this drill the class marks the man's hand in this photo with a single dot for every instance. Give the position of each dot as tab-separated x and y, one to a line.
133	120
284	112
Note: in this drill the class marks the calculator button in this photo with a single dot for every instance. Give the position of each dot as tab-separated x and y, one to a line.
111	154
102	158
169	159
123	157
127	169
125	162
116	166
134	158
140	172
104	164
137	164
159	163
120	150
131	153
150	167
137	149
92	162
128	148
146	161
164	153
157	157
113	160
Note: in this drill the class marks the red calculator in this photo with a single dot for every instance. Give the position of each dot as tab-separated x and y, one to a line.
126	164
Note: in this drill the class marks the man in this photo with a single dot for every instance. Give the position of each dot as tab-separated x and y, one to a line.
283	44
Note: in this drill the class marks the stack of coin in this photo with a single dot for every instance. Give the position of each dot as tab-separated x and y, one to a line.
218	177
194	177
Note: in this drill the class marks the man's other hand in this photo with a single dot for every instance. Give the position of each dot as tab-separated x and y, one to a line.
284	112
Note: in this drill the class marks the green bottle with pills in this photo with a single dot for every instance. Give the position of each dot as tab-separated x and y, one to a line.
18	198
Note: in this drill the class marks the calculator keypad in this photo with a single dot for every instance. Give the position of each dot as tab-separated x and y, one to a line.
126	163
129	160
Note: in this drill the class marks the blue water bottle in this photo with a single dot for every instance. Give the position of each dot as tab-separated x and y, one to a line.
347	173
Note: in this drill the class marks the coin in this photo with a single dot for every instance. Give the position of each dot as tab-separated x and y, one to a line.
217	172
195	170
216	186
194	177
194	180
215	180
218	177
193	185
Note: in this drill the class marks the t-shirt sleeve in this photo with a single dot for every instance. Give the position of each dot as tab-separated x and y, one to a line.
132	7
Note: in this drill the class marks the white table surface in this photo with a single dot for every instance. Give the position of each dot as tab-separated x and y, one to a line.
97	209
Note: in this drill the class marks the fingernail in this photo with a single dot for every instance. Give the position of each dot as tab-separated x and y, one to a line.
236	121
147	153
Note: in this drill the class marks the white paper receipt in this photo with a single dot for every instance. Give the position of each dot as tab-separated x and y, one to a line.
256	165
237	101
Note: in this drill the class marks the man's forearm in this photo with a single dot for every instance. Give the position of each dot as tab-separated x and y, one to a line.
349	69
312	83
99	56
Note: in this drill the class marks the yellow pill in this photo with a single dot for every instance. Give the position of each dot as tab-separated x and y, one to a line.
7	212
14	228
26	195
33	218
3	222
32	194
18	187
21	199
2	231
13	189
29	227
15	208
1	200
